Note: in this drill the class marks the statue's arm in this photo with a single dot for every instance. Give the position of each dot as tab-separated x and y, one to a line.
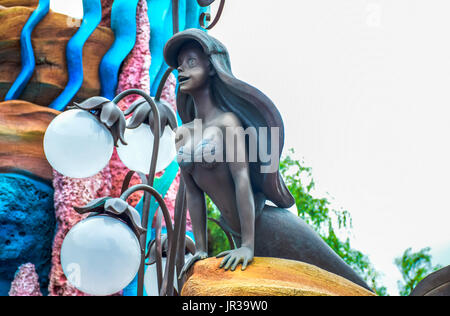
196	204
240	172
244	201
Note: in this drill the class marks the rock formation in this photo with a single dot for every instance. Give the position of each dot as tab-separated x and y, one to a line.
26	282
267	277
27	222
22	129
49	41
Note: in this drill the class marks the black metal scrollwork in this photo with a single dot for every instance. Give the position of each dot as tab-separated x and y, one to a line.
207	16
205	3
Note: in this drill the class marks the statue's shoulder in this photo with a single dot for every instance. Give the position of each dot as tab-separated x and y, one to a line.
229	119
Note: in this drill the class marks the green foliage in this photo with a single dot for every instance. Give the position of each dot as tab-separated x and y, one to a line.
414	267
217	240
327	222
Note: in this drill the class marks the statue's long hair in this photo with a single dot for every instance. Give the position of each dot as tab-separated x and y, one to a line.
251	106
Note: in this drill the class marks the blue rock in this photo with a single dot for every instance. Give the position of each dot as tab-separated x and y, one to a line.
27	221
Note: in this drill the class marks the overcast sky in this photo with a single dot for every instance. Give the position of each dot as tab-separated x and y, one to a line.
363	87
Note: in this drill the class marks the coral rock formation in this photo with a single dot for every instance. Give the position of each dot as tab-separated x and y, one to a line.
22	129
25	282
70	192
27	222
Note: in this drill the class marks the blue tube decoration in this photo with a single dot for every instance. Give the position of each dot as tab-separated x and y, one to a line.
123	23
161	29
26	49
193	13
161	25
74	53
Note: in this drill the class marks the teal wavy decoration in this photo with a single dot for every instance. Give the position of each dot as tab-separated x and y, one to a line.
193	13
74	53
162	185
26	49
123	23
161	25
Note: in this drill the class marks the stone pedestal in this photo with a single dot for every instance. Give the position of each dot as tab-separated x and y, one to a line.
267	277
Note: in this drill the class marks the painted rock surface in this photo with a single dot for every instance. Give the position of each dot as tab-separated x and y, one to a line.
27	221
49	41
22	129
267	277
22	3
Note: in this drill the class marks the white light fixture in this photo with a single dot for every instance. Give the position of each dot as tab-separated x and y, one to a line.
137	155
100	255
77	145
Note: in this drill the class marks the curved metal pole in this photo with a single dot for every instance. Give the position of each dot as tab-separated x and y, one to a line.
180	208
152	191
150	178
128	177
156	127
208	16
170	237
162	83
175	16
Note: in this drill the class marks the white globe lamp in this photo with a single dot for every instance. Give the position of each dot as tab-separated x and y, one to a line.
100	255
137	155
77	145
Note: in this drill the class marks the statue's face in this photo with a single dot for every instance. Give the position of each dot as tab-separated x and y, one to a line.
194	69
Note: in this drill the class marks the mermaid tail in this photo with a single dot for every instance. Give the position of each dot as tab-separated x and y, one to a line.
281	234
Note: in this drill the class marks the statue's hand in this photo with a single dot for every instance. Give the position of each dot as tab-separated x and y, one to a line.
199	255
109	115
143	114
233	257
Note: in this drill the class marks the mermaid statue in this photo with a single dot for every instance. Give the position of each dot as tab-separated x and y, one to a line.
250	194
228	148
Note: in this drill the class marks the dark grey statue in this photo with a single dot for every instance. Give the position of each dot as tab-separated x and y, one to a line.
209	92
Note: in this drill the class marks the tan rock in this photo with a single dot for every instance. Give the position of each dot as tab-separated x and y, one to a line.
19	3
49	41
22	129
267	277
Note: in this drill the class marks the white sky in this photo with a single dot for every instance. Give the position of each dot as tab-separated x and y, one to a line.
363	87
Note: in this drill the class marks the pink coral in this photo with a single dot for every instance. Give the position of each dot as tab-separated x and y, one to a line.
135	69
134	75
26	282
70	192
106	13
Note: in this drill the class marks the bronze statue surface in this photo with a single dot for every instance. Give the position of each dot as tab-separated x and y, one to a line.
213	103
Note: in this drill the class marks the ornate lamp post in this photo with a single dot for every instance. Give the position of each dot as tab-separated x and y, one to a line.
102	115
86	133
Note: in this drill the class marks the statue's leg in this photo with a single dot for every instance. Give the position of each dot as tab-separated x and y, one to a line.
281	234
